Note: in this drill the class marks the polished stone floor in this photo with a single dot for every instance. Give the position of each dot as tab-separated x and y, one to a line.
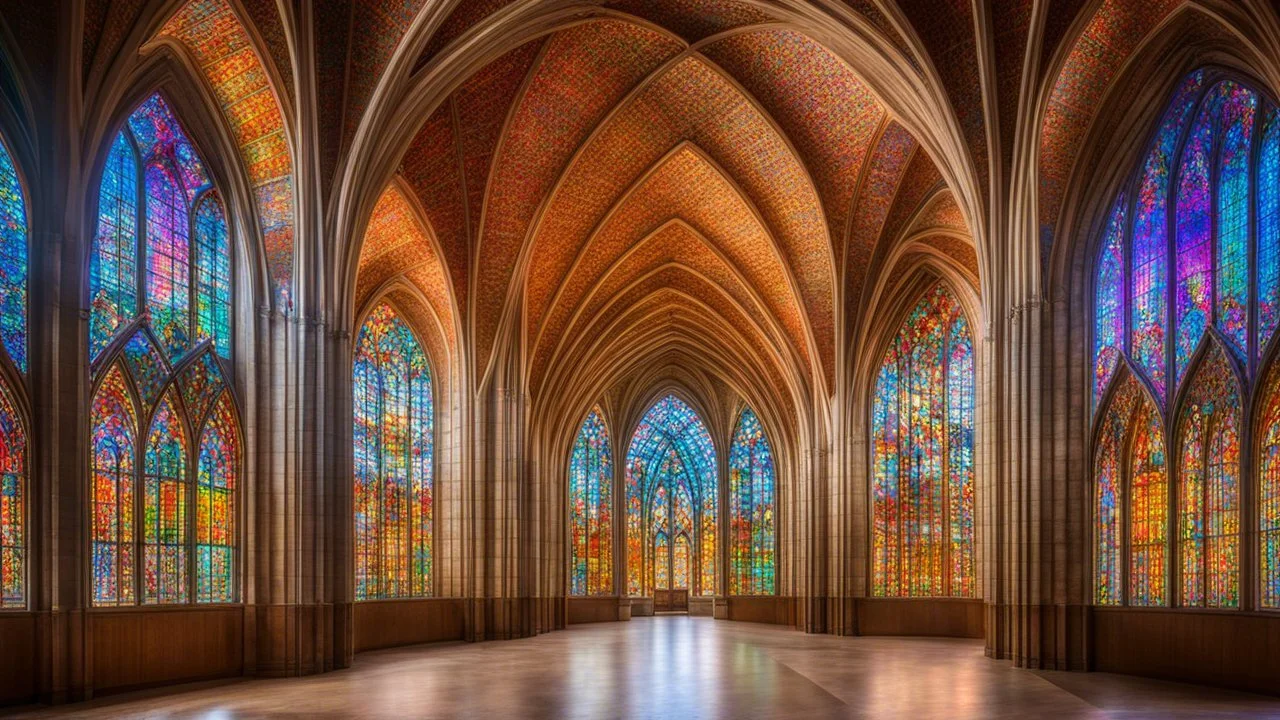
681	667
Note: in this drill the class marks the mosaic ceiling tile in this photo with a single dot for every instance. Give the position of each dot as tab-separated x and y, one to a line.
947	29
888	165
431	169
692	102
686	186
1112	34
222	49
694	20
817	100
396	245
585	71
377	27
673	242
959	250
626	322
465	16
941	213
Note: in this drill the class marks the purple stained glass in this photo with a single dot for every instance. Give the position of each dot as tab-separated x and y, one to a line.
1149	274
1108	332
1193	295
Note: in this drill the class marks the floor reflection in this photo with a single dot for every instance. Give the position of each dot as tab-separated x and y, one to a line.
682	667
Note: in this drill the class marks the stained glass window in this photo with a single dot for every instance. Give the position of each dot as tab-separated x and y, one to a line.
1209	487
1269	493
13	499
13	337
1148	508
591	509
1108	334
213	274
1108	495
922	462
394	436
164	507
216	485
114	442
185	244
165	440
672	490
1216	151
13	262
752	531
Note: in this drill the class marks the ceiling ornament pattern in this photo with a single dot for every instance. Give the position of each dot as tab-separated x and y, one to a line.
685	186
377	27
693	102
221	47
819	102
694	20
888	165
961	251
643	319
396	245
585	71
1110	37
674	242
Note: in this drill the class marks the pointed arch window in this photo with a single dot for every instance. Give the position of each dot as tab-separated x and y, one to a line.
1130	500
922	428
672	496
752	529
591	509
1200	272
13	349
165	434
394	441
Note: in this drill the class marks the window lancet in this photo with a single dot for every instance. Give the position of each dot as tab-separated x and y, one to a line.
672	494
164	469
591	509
922	429
394	445
752	532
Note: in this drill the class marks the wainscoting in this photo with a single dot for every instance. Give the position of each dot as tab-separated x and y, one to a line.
1223	648
142	647
392	623
17	662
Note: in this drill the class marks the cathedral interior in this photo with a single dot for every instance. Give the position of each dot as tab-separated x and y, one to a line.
640	358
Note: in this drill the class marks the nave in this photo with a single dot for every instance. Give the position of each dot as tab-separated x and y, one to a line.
678	666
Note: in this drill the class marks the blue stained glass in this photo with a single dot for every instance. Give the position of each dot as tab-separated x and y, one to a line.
1232	271
752	480
13	262
670	475
1269	232
113	262
213	274
168	262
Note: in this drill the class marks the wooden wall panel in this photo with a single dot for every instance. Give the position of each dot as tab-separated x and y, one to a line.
17	660
1227	649
938	617
392	623
592	610
772	610
143	647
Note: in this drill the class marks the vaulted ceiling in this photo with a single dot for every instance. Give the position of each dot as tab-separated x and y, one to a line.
601	185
